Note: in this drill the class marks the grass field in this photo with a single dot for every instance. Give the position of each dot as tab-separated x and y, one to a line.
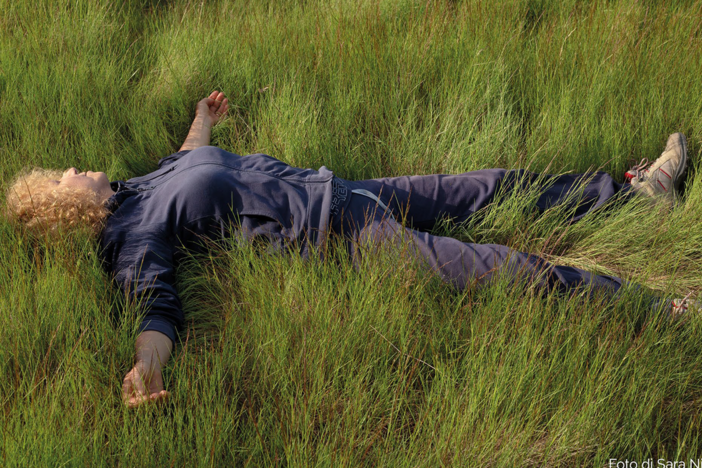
293	363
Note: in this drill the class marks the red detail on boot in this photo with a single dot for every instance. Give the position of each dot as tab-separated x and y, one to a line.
659	182
628	176
665	173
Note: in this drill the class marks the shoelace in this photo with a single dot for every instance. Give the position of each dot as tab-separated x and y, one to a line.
639	169
679	309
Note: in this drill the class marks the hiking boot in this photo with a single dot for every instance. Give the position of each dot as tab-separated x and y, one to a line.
662	179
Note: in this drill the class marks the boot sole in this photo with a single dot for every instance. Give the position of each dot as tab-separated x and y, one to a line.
678	177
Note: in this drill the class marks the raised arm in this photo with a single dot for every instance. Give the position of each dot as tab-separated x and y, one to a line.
209	111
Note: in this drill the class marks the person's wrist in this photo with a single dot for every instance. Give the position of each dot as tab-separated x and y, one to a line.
205	119
148	366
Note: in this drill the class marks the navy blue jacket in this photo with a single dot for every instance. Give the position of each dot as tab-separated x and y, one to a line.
204	192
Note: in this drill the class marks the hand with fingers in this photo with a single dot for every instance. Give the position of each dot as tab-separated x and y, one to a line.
143	384
213	108
209	112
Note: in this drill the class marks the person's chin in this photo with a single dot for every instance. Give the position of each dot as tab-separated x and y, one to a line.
101	177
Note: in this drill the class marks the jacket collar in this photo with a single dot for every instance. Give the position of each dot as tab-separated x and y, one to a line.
122	192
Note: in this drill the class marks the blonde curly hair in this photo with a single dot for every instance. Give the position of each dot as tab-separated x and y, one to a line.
35	200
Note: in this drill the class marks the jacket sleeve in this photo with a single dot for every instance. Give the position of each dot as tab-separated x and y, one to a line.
172	158
144	270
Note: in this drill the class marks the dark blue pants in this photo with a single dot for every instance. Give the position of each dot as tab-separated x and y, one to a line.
422	200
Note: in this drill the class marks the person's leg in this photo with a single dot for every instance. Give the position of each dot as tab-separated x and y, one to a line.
425	199
459	263
583	192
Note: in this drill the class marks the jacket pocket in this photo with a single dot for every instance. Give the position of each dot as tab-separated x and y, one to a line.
263	215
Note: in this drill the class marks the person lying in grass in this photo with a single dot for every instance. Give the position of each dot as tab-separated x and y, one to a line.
143	223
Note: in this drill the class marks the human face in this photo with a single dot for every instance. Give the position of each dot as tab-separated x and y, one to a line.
95	181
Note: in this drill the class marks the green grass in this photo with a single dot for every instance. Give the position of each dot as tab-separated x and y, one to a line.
292	363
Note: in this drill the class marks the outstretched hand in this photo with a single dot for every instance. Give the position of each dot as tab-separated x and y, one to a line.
139	387
213	108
